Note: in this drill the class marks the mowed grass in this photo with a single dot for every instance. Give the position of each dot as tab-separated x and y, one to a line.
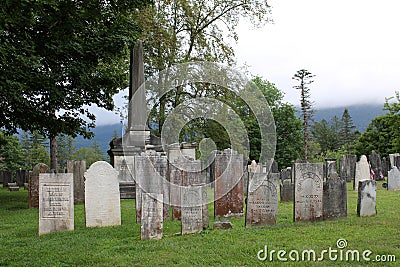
20	244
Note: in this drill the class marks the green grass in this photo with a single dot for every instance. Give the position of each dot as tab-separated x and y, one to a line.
20	244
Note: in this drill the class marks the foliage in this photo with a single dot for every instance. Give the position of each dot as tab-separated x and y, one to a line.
347	133
90	154
327	134
304	78
11	153
35	150
65	150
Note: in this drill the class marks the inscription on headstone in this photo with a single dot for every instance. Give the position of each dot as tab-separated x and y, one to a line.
152	216
262	199
56	206
192	209
366	205
102	198
308	192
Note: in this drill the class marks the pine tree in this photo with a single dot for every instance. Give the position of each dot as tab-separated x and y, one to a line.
304	78
347	130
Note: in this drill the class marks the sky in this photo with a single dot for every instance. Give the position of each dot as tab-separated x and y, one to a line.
351	46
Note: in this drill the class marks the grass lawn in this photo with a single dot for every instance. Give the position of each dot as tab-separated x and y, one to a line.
20	244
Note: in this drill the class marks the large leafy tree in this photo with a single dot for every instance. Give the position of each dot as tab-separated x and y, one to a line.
11	153
59	57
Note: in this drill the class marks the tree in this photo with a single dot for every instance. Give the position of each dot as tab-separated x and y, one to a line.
90	154
348	130
65	151
176	31
11	153
35	148
57	58
304	78
327	134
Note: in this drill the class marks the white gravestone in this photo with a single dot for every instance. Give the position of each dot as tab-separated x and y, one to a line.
366	205
362	171
394	179
152	216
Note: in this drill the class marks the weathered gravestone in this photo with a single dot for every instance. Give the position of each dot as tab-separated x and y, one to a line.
376	165
182	173
334	197
287	191
385	167
192	209
362	171
102	198
228	189
330	167
348	167
308	191
33	185
152	216
56	205
392	159
150	175
78	168
366	205
394	179
262	199
286	174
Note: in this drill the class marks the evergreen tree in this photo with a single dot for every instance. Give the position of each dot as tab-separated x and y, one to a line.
304	78
347	132
65	151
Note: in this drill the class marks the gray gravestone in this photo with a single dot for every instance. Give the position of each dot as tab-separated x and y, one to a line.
394	179
78	168
102	198
376	165
348	167
330	167
366	205
385	167
150	174
308	192
334	198
287	191
21	176
362	171
33	185
152	216
392	159
286	174
56	205
228	188
192	209
262	200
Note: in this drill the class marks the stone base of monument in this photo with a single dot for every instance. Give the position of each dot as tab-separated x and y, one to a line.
127	190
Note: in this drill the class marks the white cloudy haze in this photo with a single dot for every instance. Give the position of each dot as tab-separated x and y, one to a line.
352	46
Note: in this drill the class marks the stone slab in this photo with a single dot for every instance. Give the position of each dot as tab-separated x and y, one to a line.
394	179
366	205
152	216
192	209
33	192
362	171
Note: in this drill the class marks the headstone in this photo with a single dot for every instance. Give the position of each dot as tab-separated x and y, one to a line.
33	192
385	167
376	165
396	161
228	190
21	176
392	159
150	173
192	209
348	167
287	191
152	216
308	192
78	168
362	171
366	205
102	199
262	200
394	179
334	197
286	174
56	205
330	167
183	173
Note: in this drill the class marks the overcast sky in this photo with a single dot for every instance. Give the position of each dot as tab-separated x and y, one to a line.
352	46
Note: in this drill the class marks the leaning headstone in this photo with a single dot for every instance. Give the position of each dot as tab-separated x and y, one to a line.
362	171
56	205
394	179
366	205
376	165
152	216
78	168
262	200
287	191
192	209
334	198
228	190
308	192
33	185
102	199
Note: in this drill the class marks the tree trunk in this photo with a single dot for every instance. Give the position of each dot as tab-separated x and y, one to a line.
53	153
